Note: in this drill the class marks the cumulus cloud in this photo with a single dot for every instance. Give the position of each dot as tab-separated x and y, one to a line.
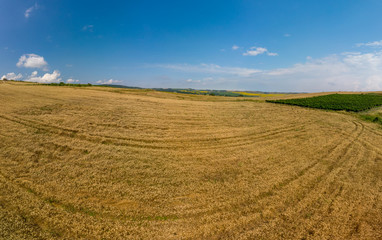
53	77
254	51
30	10
371	44
235	47
110	81
211	69
32	61
71	80
12	76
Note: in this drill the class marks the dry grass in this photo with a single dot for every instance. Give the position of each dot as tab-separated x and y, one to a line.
100	163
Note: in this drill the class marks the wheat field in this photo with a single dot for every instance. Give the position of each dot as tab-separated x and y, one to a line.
104	163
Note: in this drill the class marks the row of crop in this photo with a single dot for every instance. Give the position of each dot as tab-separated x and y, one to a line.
347	102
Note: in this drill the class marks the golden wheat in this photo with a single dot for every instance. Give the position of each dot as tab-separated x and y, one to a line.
103	163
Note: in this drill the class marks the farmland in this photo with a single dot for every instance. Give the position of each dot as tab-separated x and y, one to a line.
224	93
105	163
348	102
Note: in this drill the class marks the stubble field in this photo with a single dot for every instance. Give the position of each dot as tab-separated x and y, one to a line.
103	163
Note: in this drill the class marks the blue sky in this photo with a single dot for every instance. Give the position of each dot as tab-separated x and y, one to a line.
300	45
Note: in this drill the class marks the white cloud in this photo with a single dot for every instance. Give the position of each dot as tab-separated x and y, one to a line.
30	10
235	47
193	81
349	71
71	80
202	81
211	69
110	81
89	28
254	51
272	54
338	72
287	35
32	61
371	44
12	76
324	65
46	78
369	61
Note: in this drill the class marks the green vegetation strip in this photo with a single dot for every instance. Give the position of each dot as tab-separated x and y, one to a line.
203	92
347	102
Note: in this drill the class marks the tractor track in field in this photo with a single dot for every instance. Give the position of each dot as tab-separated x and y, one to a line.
275	132
259	197
220	142
318	189
334	171
97	164
253	201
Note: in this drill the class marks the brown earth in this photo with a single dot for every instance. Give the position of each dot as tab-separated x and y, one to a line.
103	163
